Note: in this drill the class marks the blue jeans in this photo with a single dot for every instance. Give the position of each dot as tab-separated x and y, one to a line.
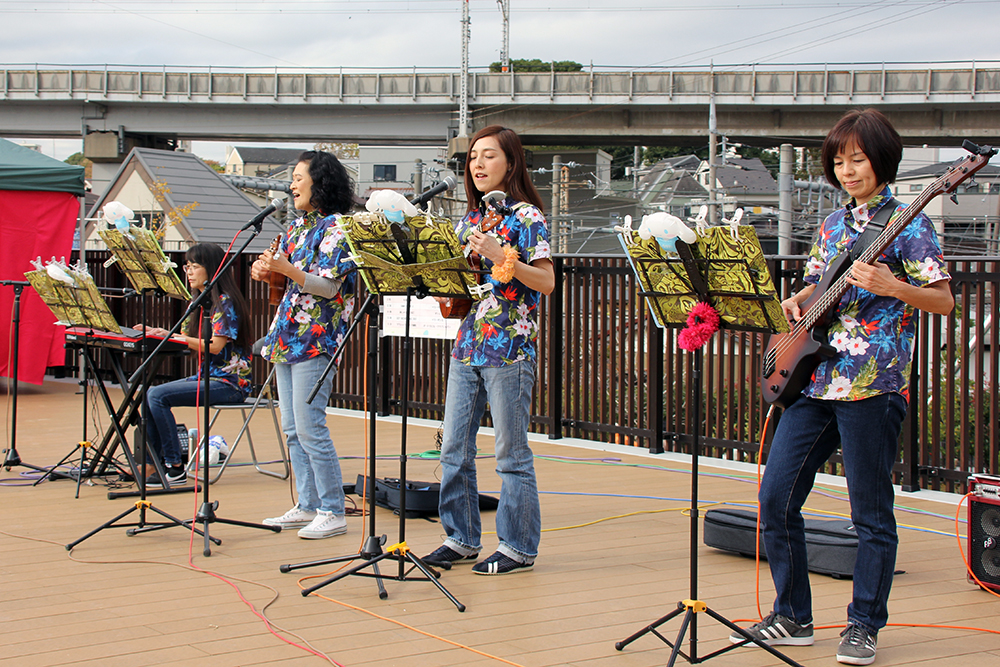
161	428
519	522
808	433
315	463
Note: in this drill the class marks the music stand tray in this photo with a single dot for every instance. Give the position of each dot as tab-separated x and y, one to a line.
724	268
420	256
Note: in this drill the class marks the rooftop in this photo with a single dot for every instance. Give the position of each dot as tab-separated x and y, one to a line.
614	558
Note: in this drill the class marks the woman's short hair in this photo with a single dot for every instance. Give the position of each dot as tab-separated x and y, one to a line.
874	134
518	183
332	188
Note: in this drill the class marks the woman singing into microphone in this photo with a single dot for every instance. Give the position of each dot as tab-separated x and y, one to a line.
310	324
493	361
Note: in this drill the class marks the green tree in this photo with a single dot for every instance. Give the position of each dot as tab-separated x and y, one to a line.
215	165
536	65
79	160
343	151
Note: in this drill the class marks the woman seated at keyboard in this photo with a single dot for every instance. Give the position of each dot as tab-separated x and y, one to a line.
229	360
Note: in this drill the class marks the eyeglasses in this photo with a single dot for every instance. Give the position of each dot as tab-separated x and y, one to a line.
191	266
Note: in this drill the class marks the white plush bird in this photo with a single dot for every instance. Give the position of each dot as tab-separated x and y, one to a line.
391	204
118	214
58	271
666	229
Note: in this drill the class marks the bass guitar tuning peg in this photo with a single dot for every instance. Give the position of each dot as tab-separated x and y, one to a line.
954	198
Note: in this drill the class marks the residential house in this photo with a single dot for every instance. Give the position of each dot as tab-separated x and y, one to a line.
208	208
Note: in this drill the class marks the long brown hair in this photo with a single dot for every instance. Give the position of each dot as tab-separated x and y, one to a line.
518	183
211	256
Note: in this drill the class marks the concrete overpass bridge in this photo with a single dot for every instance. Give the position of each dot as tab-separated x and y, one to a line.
930	103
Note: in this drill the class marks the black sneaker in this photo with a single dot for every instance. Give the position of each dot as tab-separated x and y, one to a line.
445	555
175	475
500	564
776	630
857	646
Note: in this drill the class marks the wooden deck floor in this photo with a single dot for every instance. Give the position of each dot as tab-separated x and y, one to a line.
614	558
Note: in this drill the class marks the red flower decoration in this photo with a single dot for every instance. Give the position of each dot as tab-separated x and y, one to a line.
702	322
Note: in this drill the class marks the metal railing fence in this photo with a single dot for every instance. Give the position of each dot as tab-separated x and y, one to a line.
607	373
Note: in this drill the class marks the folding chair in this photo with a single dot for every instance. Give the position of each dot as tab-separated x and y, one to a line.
267	397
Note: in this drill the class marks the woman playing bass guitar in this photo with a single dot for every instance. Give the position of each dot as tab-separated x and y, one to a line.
856	399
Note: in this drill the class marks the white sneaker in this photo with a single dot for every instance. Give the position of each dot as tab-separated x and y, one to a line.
326	524
293	518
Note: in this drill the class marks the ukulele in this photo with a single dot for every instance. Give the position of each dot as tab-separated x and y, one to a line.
276	281
791	358
456	308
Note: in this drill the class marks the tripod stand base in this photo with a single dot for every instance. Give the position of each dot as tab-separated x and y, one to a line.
206	515
372	554
690	608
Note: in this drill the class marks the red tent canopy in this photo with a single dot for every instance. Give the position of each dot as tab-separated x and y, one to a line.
38	215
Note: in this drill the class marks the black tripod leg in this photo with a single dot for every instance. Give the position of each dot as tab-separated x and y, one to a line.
732	626
676	649
650	628
107	524
346	573
433	578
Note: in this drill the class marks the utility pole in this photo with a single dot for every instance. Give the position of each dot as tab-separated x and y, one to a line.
463	108
713	148
786	157
554	213
505	46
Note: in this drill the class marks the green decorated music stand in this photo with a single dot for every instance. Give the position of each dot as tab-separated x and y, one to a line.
420	256
139	255
725	268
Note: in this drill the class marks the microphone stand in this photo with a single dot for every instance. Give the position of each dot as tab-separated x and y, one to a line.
12	458
206	513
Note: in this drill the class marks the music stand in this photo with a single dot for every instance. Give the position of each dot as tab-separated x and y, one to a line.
148	269
420	257
725	268
77	304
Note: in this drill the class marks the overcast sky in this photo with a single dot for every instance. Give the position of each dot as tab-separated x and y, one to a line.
427	33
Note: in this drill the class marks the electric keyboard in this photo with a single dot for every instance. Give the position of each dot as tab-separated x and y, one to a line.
128	341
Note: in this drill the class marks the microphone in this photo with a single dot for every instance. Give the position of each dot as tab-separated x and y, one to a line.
448	183
275	205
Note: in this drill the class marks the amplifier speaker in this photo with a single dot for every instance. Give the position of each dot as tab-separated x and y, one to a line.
984	530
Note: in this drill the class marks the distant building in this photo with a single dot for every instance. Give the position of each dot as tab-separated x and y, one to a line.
970	226
587	206
154	183
263	162
671	185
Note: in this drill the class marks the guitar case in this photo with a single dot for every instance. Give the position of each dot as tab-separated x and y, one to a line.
421	497
831	544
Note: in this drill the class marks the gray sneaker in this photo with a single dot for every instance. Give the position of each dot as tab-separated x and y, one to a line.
857	646
776	630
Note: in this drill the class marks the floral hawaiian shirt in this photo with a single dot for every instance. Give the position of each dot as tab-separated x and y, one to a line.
873	335
503	328
232	363
307	325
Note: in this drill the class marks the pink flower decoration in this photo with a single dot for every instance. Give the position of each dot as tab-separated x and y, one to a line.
702	322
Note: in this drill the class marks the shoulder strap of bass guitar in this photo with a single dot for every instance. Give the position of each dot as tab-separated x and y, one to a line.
874	228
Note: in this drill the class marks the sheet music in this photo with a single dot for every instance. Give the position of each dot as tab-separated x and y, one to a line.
425	319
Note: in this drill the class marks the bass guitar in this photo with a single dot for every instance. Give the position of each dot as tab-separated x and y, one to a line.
791	358
276	281
456	308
